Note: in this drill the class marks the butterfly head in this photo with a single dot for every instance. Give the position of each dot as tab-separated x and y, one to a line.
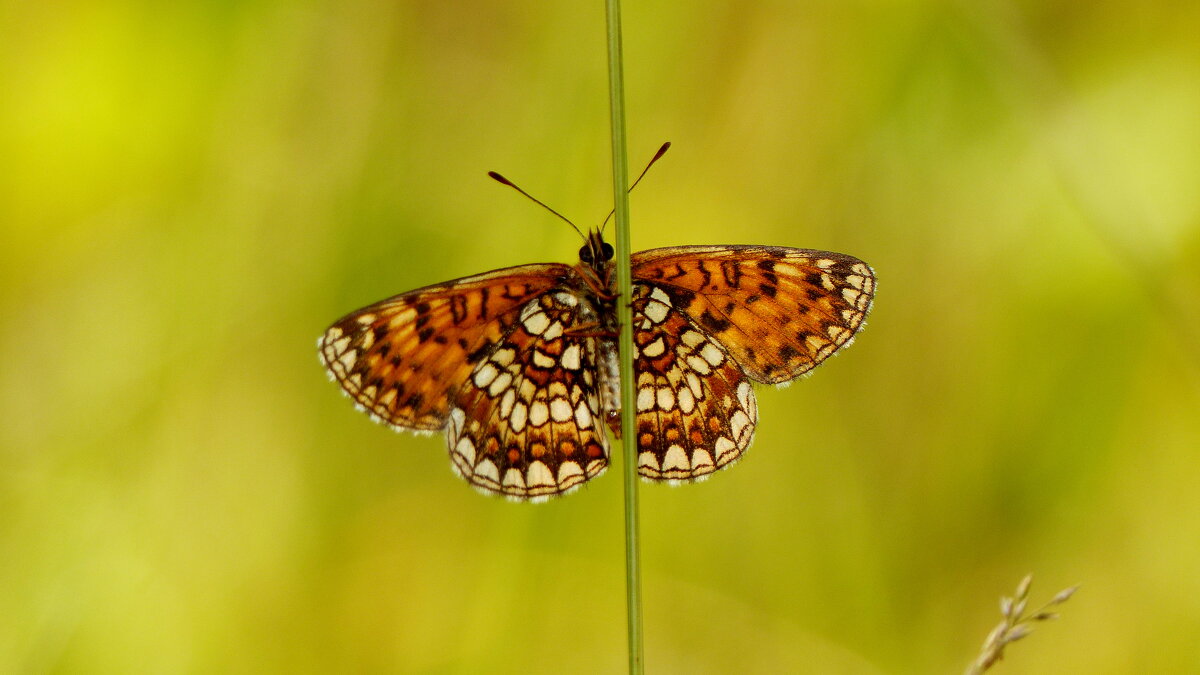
596	252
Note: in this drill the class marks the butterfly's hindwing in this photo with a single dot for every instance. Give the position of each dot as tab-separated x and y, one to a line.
696	411
525	424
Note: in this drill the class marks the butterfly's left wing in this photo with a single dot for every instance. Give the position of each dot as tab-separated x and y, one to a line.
403	358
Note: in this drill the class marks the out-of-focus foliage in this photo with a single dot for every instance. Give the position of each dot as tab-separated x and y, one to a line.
190	192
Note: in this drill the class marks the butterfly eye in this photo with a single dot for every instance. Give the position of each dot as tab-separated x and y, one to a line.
585	254
607	252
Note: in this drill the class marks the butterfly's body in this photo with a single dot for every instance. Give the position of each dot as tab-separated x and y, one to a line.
520	365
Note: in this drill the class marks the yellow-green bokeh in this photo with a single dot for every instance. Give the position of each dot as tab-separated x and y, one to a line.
190	192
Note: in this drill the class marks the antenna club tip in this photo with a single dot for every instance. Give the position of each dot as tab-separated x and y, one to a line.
498	178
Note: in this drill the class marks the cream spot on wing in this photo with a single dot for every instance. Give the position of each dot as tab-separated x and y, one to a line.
537	323
517	419
554	331
699	365
366	319
687	403
675	375
570	357
824	263
702	462
539	475
692	338
570	473
367	339
567	299
666	398
827	282
725	449
737	424
660	295
500	384
855	280
347	360
388	397
675	458
403	317
654	349
649	460
583	416
486	469
506	403
541	360
850	295
514	479
504	356
466	449
560	410
539	413
693	383
656	311
645	398
484	376
711	354
332	334
745	395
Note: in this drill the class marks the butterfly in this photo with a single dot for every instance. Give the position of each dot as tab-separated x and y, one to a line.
519	365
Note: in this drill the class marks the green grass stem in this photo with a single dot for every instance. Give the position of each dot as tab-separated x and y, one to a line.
620	166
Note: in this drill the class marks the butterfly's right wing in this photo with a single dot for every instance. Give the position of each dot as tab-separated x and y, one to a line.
779	312
403	358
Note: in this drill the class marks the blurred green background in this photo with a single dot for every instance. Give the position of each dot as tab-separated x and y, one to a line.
191	192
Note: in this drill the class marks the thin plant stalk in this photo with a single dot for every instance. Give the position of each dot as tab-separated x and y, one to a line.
620	166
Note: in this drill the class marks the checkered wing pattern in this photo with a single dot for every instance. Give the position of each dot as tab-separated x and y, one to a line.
695	408
519	365
778	312
402	358
707	320
524	423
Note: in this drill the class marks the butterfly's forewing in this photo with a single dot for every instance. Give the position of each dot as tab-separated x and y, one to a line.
524	424
779	312
402	358
696	410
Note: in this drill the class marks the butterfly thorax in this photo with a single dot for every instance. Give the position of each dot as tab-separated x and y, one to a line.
597	270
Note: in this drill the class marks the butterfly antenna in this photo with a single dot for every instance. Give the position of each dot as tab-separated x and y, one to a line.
657	156
504	181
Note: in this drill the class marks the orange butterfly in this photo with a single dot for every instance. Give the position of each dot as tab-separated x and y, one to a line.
519	365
